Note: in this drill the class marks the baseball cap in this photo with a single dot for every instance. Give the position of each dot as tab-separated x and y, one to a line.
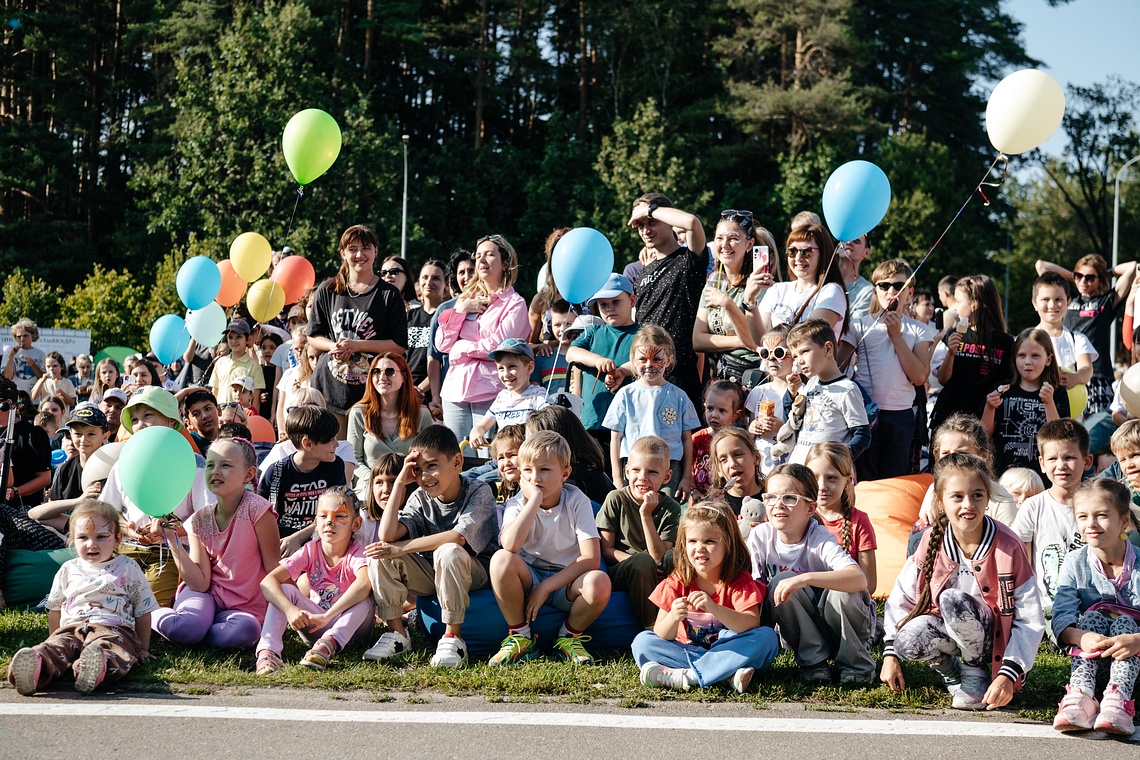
512	346
245	382
86	414
615	285
585	321
115	393
238	325
158	399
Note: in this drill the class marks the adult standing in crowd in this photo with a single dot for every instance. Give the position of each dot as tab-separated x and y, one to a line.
354	316
432	290
815	287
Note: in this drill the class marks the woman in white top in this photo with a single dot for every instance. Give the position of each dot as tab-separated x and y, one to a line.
814	290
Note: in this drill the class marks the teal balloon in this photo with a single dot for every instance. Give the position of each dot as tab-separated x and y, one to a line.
581	263
198	282
169	337
207	325
311	143
855	199
156	469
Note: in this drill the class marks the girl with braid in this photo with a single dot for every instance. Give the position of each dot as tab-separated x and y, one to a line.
833	467
966	602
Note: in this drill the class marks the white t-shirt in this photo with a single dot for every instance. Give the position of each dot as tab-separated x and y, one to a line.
764	444
833	409
1052	529
114	592
819	552
1069	345
510	408
878	368
556	533
782	301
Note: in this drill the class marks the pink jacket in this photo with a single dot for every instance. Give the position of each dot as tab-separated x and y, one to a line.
472	377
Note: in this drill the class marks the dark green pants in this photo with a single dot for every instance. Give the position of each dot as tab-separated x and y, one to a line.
638	576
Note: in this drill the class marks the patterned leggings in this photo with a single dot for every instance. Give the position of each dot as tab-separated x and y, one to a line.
18	531
965	630
1120	672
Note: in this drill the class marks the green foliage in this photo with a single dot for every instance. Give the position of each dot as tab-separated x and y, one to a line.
30	297
110	304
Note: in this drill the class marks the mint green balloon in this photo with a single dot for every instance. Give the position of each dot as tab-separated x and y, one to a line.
311	143
156	469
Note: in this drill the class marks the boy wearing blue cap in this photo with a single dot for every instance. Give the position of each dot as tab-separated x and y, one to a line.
601	351
514	360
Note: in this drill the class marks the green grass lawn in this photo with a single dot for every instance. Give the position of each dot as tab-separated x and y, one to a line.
202	671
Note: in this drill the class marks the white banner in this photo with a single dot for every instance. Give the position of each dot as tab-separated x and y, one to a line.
70	343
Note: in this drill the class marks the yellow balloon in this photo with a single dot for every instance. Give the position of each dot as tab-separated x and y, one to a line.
1078	400
251	255
265	300
1024	111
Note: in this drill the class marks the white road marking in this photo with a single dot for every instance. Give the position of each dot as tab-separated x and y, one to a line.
956	728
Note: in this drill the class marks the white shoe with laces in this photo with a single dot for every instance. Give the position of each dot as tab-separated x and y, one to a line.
390	645
450	652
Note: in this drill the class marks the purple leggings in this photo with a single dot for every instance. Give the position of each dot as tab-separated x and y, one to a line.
196	618
354	623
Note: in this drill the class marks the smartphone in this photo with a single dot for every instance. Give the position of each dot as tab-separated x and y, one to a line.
759	258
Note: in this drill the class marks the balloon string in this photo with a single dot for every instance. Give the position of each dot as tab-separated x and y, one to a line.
296	204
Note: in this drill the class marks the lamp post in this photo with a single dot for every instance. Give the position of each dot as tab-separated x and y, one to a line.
404	222
1116	234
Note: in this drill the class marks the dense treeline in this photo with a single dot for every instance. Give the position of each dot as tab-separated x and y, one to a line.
133	133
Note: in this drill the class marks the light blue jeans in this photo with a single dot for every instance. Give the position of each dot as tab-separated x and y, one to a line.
461	417
752	649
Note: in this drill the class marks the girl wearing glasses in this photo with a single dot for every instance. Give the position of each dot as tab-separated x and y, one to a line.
766	401
486	313
1093	312
815	287
892	355
817	592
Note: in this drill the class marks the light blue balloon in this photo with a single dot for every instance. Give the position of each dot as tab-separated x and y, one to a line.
208	325
855	199
198	282
169	337
581	263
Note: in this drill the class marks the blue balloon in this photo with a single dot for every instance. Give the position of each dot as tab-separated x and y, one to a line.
581	263
58	457
855	199
169	337
198	283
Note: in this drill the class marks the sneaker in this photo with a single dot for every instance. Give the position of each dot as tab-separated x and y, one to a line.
855	678
390	645
656	674
268	662
741	678
1076	712
818	674
1116	713
24	671
321	654
450	652
570	649
970	694
90	670
515	648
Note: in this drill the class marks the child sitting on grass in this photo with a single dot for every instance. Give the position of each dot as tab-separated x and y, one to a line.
551	553
99	611
338	608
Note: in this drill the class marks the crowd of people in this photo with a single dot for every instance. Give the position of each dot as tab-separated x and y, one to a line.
690	436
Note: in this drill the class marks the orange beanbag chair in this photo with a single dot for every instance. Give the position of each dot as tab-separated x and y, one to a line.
892	504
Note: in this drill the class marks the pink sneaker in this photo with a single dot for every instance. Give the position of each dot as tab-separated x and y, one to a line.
90	669
24	671
1076	712
1116	713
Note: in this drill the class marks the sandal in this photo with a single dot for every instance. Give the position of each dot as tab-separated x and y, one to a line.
268	662
319	657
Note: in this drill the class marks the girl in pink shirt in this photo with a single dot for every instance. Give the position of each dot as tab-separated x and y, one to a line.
232	546
485	313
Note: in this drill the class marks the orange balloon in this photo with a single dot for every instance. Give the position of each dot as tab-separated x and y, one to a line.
261	429
296	275
233	286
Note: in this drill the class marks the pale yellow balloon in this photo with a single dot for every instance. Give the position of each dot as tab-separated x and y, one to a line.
265	300
251	255
1130	390
1024	111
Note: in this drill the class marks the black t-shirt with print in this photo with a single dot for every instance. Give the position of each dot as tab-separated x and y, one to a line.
669	293
419	332
1094	317
295	493
978	368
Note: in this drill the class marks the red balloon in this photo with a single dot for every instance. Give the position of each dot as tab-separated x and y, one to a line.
296	275
261	429
233	286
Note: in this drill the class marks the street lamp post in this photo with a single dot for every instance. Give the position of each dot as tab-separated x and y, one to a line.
404	222
1116	234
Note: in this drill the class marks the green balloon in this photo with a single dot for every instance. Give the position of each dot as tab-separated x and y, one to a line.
311	143
156	469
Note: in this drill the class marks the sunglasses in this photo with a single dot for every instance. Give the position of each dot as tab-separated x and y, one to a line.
890	286
801	253
231	405
1086	277
784	499
492	238
740	216
779	353
386	371
391	272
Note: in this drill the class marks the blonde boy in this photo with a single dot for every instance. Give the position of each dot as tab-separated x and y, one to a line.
1125	445
638	525
551	553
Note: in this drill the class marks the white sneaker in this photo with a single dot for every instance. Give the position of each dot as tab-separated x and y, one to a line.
390	645
451	652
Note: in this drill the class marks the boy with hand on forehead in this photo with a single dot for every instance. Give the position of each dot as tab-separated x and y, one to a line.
87	428
439	540
236	364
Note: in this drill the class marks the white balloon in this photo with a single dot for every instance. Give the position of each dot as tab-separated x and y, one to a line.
1130	390
208	325
542	275
1024	111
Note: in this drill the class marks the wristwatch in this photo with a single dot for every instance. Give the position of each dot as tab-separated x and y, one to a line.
650	210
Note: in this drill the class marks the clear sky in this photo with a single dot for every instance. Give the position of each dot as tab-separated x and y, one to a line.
1081	42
